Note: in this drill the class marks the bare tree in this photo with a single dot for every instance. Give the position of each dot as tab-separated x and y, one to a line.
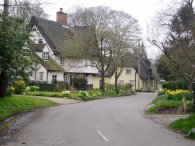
125	32
174	35
96	41
27	8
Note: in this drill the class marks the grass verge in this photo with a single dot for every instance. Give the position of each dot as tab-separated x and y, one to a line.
165	106
11	105
185	125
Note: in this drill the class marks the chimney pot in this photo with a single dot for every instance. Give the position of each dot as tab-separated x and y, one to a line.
61	17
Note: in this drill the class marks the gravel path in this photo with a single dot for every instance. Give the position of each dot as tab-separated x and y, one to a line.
63	101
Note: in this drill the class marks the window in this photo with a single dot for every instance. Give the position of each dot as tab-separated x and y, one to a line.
54	78
40	41
41	76
62	61
128	71
67	79
45	55
86	63
132	82
121	82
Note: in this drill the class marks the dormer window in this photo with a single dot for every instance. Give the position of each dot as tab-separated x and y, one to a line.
61	61
45	55
40	41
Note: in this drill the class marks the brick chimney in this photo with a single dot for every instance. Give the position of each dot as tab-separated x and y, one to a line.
61	17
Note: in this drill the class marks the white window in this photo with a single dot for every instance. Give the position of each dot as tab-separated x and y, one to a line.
45	55
132	82
128	71
121	82
40	40
67	79
62	61
54	78
41	76
86	63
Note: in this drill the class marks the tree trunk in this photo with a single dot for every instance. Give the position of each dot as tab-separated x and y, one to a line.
116	85
3	84
103	82
190	85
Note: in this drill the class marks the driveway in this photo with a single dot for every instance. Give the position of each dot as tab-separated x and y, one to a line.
108	122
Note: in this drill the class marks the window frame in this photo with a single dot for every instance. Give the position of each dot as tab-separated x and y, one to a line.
121	82
128	71
54	78
45	55
62	61
41	74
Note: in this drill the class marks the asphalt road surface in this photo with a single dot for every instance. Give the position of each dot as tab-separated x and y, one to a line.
107	122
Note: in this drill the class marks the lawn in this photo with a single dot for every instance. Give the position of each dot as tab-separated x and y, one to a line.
185	125
11	105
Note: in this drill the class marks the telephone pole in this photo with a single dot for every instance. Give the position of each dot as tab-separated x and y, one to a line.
6	7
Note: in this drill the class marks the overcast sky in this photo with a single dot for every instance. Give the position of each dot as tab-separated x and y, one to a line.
142	10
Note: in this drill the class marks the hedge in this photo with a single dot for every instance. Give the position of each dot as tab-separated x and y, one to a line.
173	85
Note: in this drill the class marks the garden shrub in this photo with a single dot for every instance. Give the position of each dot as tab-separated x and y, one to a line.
173	85
110	87
62	86
109	93
66	94
19	86
128	86
80	83
178	94
47	87
83	95
161	93
34	88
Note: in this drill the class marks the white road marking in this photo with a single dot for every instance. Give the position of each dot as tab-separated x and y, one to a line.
100	133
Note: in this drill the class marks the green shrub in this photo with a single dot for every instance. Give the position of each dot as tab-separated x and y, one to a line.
61	86
19	86
34	88
110	87
161	93
128	86
173	85
186	96
109	93
66	94
83	95
80	83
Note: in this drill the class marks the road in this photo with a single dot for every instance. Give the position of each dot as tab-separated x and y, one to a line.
107	122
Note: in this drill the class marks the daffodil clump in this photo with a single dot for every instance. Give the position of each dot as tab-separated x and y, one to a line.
66	94
178	94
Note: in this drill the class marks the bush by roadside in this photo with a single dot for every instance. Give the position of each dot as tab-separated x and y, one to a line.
172	102
173	85
79	95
